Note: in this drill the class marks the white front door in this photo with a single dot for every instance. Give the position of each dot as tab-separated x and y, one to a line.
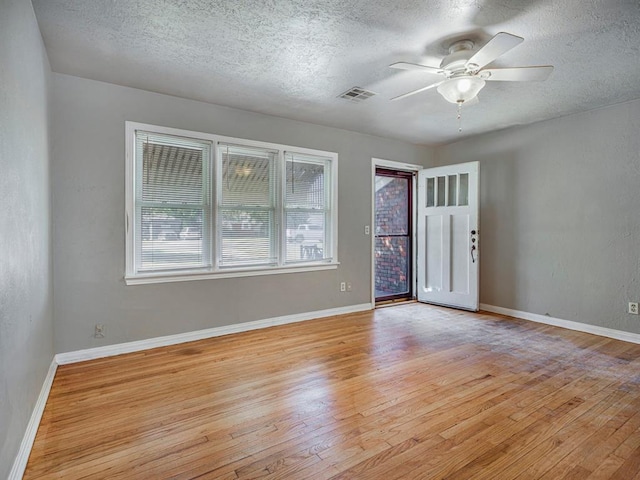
448	236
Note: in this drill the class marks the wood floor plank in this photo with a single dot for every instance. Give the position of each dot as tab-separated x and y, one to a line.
409	391
507	456
595	440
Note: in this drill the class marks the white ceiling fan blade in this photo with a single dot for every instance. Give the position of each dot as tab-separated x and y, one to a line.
517	74
415	66
501	43
433	85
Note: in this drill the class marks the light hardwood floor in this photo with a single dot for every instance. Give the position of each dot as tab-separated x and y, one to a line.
403	392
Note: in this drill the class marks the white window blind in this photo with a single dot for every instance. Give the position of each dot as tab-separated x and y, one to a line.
307	207
172	202
247	209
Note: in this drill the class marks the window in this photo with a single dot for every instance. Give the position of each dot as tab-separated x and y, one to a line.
247	207
307	212
171	203
206	206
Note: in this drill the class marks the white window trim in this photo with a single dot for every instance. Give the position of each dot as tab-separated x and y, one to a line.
135	278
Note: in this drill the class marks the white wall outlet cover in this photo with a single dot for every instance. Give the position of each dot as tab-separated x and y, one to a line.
99	331
633	308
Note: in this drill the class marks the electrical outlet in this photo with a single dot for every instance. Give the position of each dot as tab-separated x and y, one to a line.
99	332
343	286
348	286
633	308
366	230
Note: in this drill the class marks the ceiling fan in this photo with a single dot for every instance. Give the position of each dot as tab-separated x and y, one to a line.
464	73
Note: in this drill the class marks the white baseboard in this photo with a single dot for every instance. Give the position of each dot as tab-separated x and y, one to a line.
118	349
558	322
20	463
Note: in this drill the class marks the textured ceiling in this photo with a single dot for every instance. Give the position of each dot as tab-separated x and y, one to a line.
292	58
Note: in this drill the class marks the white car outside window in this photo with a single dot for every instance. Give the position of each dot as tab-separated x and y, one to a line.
309	233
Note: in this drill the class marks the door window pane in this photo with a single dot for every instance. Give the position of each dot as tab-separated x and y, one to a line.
441	191
431	187
463	197
453	190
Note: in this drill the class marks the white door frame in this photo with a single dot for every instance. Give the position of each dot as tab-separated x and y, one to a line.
405	167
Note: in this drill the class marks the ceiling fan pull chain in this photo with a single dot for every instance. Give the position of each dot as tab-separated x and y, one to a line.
460	117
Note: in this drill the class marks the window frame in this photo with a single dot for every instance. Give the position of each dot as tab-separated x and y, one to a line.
134	277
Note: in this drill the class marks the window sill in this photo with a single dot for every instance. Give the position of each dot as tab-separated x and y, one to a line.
187	276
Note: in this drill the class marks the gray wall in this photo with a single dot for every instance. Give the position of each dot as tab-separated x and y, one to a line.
26	346
88	215
559	215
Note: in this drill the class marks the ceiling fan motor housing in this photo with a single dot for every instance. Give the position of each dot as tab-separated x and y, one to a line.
456	62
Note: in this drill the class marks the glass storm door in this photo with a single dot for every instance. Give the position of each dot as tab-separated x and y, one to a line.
448	236
393	256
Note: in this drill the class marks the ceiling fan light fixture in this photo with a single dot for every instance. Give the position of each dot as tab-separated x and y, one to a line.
461	89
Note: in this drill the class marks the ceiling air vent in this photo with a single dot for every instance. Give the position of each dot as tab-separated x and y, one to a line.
356	94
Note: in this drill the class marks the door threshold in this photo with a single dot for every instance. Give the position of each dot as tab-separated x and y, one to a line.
398	301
